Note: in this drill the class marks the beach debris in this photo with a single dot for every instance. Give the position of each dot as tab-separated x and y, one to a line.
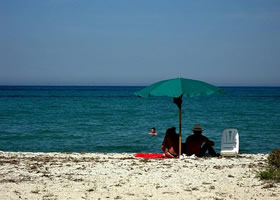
91	189
49	196
17	192
36	191
268	185
212	187
218	167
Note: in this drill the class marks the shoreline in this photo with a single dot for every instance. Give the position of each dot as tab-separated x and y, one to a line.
27	175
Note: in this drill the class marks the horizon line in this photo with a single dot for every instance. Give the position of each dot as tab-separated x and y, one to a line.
45	85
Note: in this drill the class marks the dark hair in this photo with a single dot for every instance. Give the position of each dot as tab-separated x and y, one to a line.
171	131
154	128
197	132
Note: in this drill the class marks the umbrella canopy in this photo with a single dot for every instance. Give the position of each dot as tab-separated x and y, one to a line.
177	88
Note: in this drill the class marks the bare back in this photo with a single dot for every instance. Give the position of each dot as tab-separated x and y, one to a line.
194	143
171	143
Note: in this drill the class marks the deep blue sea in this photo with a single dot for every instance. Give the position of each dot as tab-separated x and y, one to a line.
112	119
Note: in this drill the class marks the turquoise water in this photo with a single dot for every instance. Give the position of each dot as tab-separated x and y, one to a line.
112	119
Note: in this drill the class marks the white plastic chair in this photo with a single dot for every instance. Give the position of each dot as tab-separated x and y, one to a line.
230	142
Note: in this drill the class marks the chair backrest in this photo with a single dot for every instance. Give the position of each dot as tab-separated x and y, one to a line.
230	141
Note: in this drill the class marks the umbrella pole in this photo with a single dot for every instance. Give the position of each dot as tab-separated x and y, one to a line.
180	131
178	102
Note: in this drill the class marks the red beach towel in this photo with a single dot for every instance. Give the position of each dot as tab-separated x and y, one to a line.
149	155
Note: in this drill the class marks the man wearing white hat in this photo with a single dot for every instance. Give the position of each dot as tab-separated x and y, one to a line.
194	143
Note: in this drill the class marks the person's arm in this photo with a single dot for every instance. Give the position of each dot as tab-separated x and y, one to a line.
209	141
163	145
163	148
187	140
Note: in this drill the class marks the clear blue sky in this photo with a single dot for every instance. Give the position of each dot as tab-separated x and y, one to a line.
138	42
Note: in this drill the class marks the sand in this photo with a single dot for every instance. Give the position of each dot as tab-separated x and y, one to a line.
121	176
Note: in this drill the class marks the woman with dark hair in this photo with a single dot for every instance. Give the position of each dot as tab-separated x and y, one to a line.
170	144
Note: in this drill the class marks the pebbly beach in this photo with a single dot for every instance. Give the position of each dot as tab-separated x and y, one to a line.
122	176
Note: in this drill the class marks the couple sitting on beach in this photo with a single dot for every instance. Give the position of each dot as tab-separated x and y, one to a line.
193	145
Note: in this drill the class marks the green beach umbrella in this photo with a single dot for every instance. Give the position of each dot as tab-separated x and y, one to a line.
178	88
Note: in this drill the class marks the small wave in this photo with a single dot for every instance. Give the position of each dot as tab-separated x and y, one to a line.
270	96
58	96
70	88
119	148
